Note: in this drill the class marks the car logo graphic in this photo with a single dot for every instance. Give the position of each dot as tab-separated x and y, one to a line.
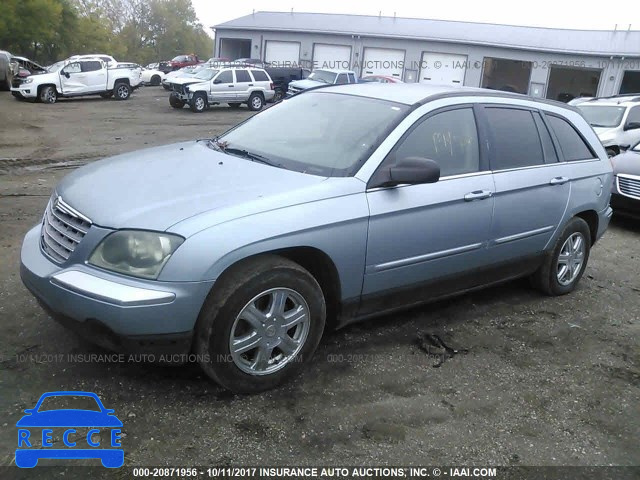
32	446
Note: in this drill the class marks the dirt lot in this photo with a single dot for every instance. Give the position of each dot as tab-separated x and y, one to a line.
545	381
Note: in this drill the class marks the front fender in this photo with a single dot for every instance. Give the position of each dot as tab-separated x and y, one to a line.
335	226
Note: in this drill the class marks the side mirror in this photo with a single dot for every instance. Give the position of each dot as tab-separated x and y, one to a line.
66	74
631	125
624	148
217	81
410	170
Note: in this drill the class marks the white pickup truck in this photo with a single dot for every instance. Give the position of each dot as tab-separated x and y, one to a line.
79	77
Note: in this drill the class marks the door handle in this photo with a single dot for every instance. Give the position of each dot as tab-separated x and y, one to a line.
477	195
251	84
230	86
558	181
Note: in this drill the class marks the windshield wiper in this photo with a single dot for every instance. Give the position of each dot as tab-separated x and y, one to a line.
598	125
239	152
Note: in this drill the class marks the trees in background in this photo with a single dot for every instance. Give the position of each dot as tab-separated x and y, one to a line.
141	31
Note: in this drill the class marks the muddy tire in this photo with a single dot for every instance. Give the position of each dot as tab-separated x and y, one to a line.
155	80
563	268
122	91
256	102
48	94
198	103
263	322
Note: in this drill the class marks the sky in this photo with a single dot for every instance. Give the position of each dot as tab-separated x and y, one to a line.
585	14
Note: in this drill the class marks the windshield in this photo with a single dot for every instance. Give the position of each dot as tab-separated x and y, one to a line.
55	67
323	76
319	133
602	116
206	74
66	402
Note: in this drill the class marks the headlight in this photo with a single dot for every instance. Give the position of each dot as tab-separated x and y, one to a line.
135	252
28	80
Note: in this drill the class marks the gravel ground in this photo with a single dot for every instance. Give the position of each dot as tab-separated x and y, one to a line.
538	380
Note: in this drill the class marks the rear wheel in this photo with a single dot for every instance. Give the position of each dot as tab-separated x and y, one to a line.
48	95
155	80
174	101
256	102
563	267
122	91
258	328
198	103
279	95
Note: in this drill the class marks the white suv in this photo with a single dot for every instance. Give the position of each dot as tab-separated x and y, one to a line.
232	85
616	120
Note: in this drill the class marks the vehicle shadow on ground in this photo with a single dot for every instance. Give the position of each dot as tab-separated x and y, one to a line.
396	330
626	223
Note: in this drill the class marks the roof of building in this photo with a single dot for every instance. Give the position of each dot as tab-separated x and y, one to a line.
586	42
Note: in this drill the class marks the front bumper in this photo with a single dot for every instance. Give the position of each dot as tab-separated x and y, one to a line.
117	312
25	90
625	206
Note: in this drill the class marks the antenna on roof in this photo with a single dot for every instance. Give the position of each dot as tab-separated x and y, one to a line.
629	29
254	12
380	14
615	29
291	10
394	15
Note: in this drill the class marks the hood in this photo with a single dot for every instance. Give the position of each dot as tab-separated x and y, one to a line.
628	162
186	80
307	83
45	77
158	187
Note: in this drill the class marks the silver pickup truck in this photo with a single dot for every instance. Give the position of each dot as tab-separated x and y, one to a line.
80	77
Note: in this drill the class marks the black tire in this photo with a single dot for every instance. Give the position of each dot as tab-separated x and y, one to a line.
48	94
237	287
122	91
256	102
174	101
155	80
198	103
106	94
611	152
235	105
546	277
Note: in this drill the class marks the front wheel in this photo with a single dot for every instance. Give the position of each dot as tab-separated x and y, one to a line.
563	267
48	95
155	80
122	91
198	103
261	325
256	102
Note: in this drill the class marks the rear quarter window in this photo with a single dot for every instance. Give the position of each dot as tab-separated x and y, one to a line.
572	144
242	76
260	76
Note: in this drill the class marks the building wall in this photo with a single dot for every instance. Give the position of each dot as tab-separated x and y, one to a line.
610	80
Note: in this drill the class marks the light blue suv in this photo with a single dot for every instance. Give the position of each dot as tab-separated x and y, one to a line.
367	198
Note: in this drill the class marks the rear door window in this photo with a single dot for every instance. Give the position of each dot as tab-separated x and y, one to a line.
242	76
515	142
91	66
572	145
342	79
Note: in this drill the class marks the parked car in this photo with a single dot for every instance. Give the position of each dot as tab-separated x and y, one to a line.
6	71
282	76
232	85
183	72
380	79
625	196
176	63
217	61
78	78
363	200
615	119
152	77
322	78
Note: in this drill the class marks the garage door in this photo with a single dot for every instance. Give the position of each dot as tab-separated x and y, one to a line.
331	56
442	68
282	52
383	61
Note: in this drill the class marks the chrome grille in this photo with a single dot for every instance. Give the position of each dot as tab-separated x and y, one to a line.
629	185
63	228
